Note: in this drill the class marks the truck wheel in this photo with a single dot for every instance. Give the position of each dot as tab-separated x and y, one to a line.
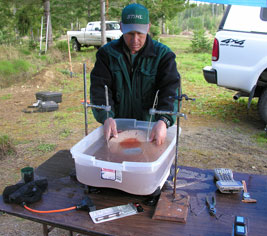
76	46
262	105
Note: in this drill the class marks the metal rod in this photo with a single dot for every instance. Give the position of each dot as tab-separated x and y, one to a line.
85	98
177	140
149	124
102	107
172	113
107	102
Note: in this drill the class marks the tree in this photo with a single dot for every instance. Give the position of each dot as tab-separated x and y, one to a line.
49	33
103	24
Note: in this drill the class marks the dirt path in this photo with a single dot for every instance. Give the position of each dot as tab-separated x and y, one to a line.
203	143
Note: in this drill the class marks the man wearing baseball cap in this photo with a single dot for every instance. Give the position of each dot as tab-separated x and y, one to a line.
134	68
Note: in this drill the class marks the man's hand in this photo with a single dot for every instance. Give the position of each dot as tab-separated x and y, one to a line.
110	128
158	133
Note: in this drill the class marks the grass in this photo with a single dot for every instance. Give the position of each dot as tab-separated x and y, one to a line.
7	146
46	147
261	138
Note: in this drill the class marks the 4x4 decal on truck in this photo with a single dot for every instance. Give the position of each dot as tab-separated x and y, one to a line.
233	43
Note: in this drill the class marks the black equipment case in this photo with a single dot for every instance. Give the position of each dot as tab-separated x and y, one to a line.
49	96
47	106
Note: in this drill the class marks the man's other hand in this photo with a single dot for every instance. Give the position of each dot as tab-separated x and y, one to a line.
158	133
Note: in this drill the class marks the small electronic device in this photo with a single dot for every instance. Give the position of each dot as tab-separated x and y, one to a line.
225	181
239	227
116	212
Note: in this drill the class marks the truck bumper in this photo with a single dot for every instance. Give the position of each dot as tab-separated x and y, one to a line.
210	74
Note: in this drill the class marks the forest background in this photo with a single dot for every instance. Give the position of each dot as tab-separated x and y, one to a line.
21	27
21	18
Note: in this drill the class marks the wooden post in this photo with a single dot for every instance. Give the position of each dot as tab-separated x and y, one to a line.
69	56
47	29
41	36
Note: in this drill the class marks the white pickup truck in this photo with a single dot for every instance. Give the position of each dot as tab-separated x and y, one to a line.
91	35
239	56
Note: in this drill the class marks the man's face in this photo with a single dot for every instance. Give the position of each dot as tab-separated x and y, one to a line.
134	41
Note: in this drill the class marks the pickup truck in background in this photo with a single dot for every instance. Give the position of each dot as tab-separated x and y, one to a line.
239	55
91	35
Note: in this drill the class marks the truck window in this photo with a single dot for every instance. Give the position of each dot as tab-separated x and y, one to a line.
89	27
246	19
264	14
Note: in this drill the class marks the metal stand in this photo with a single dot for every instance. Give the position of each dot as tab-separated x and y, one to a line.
107	108
153	111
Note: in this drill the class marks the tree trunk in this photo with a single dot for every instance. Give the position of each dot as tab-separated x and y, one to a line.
48	16
163	31
103	23
89	11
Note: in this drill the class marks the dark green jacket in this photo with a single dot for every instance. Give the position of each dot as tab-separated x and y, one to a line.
132	88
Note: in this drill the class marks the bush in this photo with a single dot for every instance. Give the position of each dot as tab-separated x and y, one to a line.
6	146
200	42
155	32
62	46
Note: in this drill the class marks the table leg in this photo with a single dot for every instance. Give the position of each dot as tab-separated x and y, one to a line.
47	230
71	233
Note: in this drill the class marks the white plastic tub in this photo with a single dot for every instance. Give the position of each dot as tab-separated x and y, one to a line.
140	178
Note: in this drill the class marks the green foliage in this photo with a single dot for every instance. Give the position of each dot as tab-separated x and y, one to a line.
32	44
8	67
46	147
62	45
155	32
261	138
7	146
6	97
199	16
200	42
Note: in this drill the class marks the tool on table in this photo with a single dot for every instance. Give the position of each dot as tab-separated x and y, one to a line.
225	181
239	227
246	195
107	108
211	204
172	206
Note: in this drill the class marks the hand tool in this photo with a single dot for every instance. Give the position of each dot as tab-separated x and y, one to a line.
246	195
211	205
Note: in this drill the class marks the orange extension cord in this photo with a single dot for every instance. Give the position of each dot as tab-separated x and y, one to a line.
51	211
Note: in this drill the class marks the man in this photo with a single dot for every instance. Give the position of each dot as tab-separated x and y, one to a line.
134	68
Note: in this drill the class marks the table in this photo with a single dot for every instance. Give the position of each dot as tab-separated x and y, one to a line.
64	191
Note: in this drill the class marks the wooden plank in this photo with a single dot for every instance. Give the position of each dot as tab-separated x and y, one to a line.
173	208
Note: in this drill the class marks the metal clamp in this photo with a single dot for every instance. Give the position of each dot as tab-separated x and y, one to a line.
153	111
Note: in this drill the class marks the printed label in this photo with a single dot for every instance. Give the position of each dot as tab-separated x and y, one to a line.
109	174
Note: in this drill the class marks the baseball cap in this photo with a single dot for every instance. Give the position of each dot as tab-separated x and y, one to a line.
135	17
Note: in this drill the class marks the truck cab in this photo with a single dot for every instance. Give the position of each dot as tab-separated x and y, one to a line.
239	55
91	35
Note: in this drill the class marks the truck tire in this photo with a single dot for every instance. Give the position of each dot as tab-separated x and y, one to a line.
262	105
76	46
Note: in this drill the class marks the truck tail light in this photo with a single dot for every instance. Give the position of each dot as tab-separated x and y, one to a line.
215	50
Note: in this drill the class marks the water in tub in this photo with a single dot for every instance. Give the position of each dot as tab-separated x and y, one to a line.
131	145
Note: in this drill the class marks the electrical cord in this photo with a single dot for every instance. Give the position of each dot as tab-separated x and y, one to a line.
86	205
50	211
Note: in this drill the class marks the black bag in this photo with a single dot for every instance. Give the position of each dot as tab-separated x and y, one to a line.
25	193
49	96
47	106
